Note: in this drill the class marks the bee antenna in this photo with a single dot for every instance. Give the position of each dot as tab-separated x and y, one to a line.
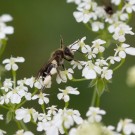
61	42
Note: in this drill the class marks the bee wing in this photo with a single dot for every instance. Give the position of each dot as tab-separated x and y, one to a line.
42	70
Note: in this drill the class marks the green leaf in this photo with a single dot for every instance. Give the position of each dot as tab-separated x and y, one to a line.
92	83
9	116
100	86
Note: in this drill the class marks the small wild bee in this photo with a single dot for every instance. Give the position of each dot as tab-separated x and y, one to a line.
109	10
108	7
56	61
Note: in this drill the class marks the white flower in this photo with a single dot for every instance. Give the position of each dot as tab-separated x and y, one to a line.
39	83
4	99
17	93
101	62
123	50
97	46
100	12
30	81
94	114
96	26
44	117
75	1
112	59
121	31
26	114
11	63
63	75
43	82
42	98
15	96
126	126
90	70
7	85
65	93
82	45
84	48
76	64
68	117
82	15
106	73
5	30
5	18
90	53
116	2
2	132
88	4
22	132
52	110
73	131
41	126
1	116
129	6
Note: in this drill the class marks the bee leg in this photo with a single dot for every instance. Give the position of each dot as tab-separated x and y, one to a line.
43	88
63	67
58	71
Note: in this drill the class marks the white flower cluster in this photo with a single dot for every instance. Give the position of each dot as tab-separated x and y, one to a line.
102	17
53	122
96	66
93	125
4	29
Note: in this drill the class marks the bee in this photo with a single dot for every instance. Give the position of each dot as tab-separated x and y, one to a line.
56	61
109	10
108	7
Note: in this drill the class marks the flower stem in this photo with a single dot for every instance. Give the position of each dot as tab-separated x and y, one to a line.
5	107
3	46
43	108
66	104
78	80
93	98
121	63
97	100
14	77
23	125
65	130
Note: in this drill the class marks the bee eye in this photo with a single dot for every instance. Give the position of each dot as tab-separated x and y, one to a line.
66	51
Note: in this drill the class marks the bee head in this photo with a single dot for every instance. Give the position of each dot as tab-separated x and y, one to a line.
68	53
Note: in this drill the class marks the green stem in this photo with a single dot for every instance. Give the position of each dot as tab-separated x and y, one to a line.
97	100
66	104
121	63
14	77
18	124
23	125
66	132
43	108
87	26
5	107
78	80
3	46
94	98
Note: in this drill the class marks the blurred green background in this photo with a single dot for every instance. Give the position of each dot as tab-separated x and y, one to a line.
38	25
